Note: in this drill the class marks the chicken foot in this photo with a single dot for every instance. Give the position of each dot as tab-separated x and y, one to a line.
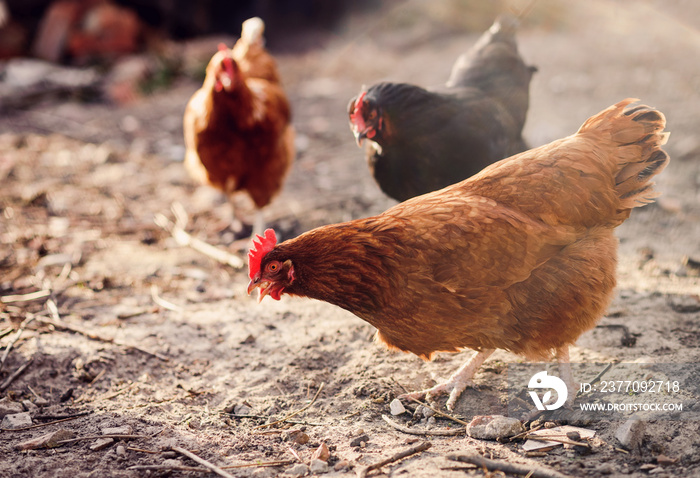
459	380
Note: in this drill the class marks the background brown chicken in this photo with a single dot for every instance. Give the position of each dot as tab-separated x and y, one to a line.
423	140
521	256
238	135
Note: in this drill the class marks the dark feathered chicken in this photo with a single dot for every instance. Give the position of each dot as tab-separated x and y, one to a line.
423	140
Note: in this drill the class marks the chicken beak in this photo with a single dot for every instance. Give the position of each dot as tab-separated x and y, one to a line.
252	285
359	136
264	288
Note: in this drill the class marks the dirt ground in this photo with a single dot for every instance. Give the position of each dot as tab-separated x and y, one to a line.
166	342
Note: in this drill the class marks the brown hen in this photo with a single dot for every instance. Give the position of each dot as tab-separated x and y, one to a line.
519	257
238	135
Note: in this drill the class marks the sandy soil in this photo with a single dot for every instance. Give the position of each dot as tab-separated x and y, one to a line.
167	341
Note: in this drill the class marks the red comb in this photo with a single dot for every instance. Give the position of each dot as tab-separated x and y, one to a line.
356	115
261	246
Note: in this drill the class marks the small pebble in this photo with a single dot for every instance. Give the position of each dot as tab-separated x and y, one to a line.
123	430
29	406
493	427
242	409
121	451
341	465
264	473
41	402
321	453
296	436
573	435
605	469
357	441
318	466
396	407
664	460
9	407
101	444
631	433
550	425
297	470
16	420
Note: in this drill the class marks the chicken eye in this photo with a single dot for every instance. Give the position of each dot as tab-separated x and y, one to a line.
273	266
372	114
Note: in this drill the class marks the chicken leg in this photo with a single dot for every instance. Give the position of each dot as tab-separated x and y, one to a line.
566	374
456	384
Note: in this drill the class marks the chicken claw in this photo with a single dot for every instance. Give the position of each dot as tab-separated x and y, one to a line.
456	384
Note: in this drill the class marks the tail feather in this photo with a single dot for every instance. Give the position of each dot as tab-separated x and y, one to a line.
639	133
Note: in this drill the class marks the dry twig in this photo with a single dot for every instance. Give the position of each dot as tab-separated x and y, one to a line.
61	417
505	467
412	431
95	437
43	424
64	326
522	434
295	454
259	464
442	414
168	468
394	458
182	237
22	326
204	470
160	302
202	462
16	374
293	414
554	439
40	294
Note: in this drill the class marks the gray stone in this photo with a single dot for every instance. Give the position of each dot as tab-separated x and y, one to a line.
264	473
17	420
242	409
297	470
41	402
396	407
492	427
8	407
318	466
29	406
121	451
101	444
631	433
124	430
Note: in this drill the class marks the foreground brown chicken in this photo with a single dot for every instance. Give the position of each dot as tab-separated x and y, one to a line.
238	135
421	140
519	257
